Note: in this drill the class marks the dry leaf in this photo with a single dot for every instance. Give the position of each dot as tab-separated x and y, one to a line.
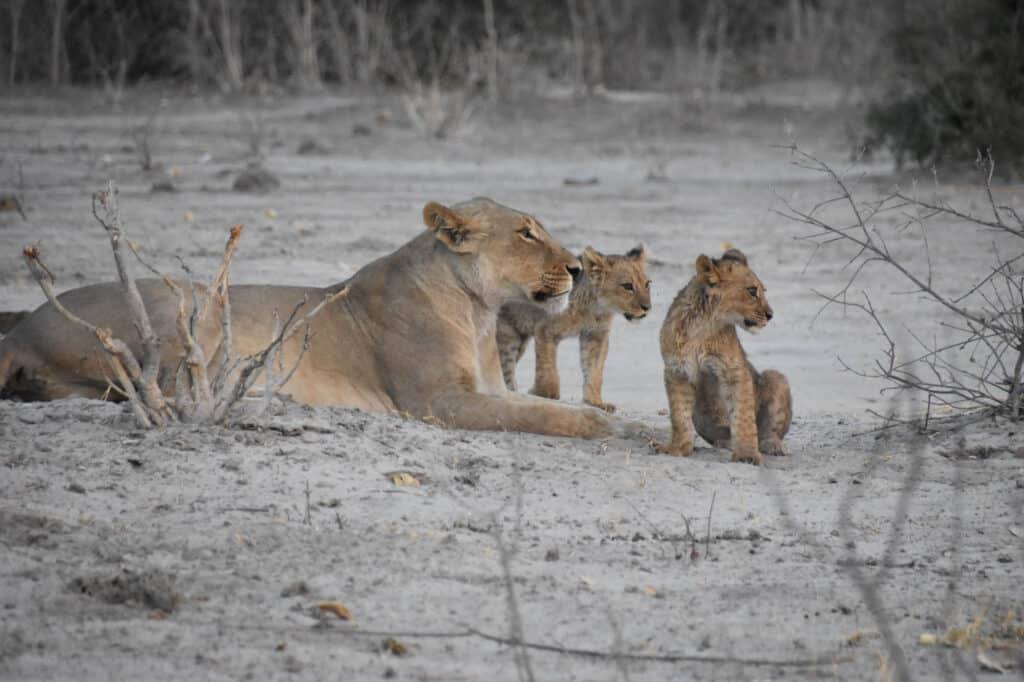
270	213
927	639
394	646
855	638
175	171
189	217
988	665
650	591
336	608
725	246
961	637
403	478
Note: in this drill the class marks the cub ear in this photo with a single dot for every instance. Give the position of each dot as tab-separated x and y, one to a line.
707	271
638	252
450	228
593	261
736	255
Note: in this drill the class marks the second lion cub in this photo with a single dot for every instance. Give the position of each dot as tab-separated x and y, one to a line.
608	285
710	383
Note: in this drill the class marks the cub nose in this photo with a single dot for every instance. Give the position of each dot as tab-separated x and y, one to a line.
574	271
768	314
645	306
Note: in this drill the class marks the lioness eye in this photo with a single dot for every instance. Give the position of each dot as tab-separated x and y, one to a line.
527	235
648	284
628	286
752	291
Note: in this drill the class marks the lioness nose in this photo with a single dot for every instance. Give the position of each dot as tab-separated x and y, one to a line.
768	314
645	306
574	271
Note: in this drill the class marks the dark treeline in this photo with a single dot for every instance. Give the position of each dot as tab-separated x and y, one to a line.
945	76
229	43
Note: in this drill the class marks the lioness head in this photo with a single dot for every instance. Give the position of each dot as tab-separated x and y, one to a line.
621	281
512	250
737	292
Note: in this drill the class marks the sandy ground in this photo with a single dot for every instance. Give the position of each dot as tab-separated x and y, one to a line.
202	553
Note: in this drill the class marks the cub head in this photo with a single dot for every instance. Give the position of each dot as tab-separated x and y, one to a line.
511	251
736	291
621	281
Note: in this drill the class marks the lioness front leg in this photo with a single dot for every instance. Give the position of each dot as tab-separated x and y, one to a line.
738	388
774	411
464	409
593	353
681	397
545	342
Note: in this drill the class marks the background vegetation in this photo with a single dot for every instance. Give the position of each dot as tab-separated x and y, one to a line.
944	77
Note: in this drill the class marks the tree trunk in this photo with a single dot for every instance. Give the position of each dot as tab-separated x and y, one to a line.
193	42
492	52
578	48
339	43
57	41
231	45
12	66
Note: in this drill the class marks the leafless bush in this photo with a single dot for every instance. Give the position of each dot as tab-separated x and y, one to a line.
981	366
198	396
142	135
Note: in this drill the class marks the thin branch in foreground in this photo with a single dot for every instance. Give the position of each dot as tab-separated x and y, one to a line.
122	361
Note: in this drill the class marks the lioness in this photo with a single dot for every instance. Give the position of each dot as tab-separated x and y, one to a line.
607	285
415	334
710	383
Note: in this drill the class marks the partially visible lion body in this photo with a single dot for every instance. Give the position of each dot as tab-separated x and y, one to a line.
711	385
609	285
414	334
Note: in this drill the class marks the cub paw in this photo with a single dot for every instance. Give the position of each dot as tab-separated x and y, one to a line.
551	392
607	407
673	449
772	447
749	456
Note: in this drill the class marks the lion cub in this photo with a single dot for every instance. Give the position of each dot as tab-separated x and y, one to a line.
710	383
606	286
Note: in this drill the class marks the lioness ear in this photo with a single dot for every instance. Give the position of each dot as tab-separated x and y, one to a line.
638	252
449	227
736	255
707	272
593	262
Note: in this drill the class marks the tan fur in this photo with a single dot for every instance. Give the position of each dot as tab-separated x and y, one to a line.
608	285
709	381
415	334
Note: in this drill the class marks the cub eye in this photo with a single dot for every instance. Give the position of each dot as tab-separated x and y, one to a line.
752	291
628	286
526	234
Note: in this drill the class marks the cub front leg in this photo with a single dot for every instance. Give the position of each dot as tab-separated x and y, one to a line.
738	386
545	342
593	353
681	397
511	346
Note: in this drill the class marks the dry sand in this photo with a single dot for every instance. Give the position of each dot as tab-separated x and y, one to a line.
201	553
